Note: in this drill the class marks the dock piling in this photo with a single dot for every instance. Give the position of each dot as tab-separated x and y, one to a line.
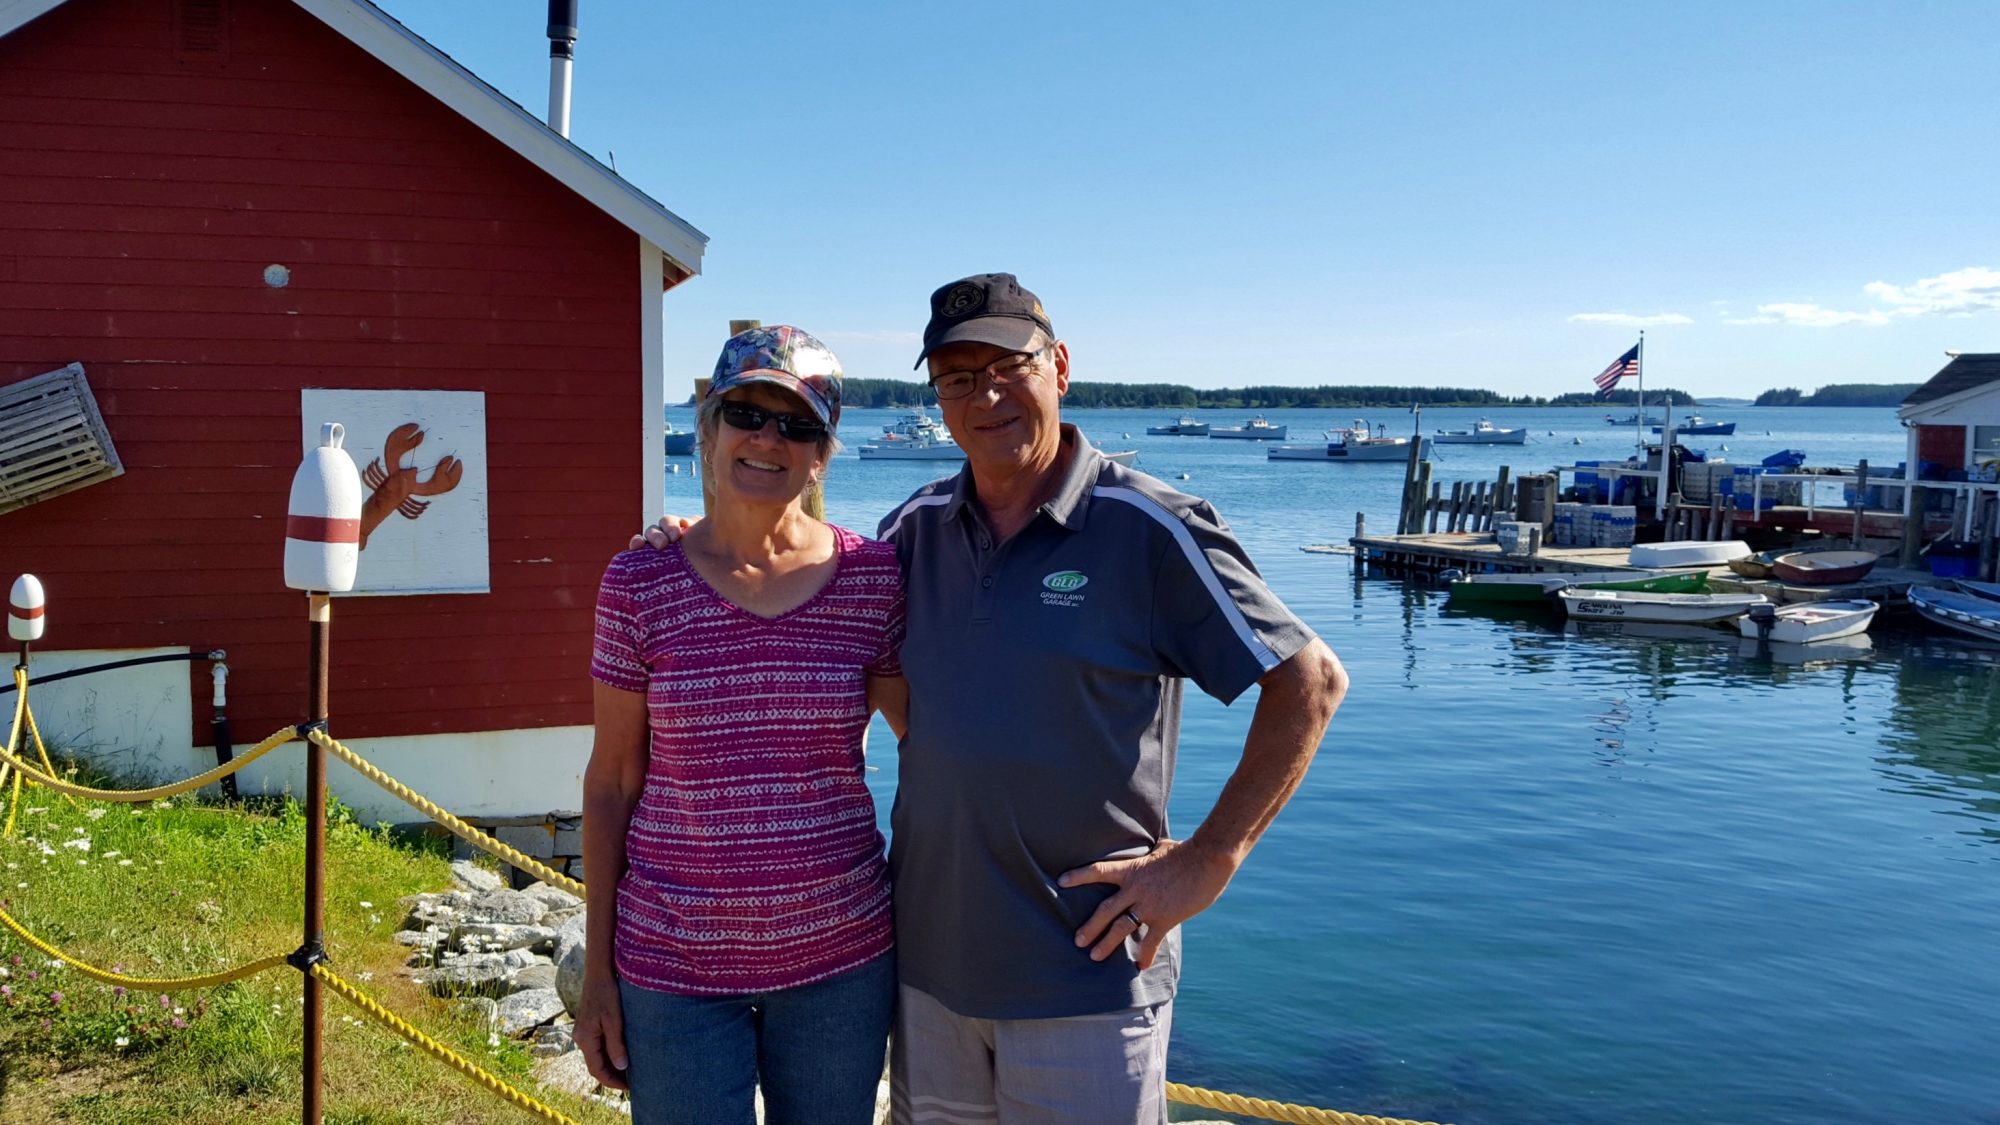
1860	500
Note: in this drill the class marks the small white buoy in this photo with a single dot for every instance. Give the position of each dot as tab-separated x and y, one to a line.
675	470
1184	476
1552	433
1576	441
323	519
24	609
1125	435
1724	448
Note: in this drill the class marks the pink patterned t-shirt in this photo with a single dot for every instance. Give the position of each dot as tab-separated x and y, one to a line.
753	860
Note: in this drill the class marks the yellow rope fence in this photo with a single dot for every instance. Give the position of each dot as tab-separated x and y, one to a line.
9	760
332	980
436	812
1275	1111
434	1048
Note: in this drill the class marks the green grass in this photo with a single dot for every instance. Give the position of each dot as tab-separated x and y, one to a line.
182	887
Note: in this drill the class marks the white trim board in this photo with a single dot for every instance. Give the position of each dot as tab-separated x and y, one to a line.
436	73
652	387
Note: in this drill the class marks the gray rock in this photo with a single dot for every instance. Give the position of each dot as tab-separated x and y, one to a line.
539	975
418	939
557	919
555	897
522	1011
506	906
553	1039
469	876
569	970
518	959
481	1008
567	1073
483	974
496	936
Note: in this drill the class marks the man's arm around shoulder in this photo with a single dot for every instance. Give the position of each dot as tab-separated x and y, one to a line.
1180	879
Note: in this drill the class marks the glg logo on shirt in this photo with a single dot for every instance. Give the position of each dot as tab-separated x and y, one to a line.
1061	588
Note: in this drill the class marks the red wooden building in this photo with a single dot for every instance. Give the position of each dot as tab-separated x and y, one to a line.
217	208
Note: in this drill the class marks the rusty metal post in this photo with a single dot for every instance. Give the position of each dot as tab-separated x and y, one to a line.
320	618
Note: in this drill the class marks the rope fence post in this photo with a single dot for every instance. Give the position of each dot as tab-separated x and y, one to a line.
322	553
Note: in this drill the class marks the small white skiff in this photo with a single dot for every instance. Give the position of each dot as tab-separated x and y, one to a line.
1639	605
1688	552
1807	622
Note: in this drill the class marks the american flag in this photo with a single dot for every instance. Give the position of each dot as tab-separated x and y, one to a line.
1627	364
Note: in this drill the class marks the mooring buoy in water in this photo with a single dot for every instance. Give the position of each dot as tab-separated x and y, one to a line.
1184	476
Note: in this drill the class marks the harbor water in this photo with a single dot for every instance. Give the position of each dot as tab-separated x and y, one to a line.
1539	875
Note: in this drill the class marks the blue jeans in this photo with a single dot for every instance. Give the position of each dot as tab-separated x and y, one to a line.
817	1051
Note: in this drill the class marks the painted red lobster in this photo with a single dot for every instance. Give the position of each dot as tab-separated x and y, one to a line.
396	487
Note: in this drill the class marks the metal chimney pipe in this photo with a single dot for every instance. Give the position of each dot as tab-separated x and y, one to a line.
562	53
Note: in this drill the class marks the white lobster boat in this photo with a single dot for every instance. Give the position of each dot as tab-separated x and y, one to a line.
1639	605
1483	432
913	436
1353	443
1256	429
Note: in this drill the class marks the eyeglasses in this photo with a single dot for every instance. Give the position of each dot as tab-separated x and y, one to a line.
791	427
1005	371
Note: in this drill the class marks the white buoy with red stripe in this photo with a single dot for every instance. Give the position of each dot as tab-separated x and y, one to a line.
323	521
24	609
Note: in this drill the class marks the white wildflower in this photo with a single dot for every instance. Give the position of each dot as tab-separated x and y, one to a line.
367	906
163	804
364	976
124	863
122	1041
81	843
37	810
79	832
97	814
112	855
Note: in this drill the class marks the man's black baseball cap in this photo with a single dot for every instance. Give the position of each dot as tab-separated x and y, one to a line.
986	308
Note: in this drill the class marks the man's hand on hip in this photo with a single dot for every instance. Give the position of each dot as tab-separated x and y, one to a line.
1156	892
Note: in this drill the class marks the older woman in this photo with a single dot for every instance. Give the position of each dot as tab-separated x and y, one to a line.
740	933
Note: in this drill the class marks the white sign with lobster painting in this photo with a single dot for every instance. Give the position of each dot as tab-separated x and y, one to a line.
422	456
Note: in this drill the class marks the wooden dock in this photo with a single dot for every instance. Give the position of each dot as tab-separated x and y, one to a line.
1425	556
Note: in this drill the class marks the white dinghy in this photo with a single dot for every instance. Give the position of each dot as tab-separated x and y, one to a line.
1688	552
1808	621
1639	605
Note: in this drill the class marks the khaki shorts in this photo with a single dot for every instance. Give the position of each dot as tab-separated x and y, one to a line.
1104	1069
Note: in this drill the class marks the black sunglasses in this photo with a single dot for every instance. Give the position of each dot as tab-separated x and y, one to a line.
791	427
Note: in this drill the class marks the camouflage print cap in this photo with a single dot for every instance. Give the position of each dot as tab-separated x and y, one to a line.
789	357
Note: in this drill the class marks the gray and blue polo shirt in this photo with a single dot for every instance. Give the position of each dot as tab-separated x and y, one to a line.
1045	698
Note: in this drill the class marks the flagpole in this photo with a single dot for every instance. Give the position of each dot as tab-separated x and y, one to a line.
1639	416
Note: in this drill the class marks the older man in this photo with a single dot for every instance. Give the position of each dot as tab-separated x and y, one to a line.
1056	603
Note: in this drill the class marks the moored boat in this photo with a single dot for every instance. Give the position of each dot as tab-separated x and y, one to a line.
1807	622
913	436
1696	424
1688	552
1352	443
1640	605
1961	612
1255	429
1823	568
1482	432
1987	590
1520	588
1757	565
680	443
1184	426
1123	457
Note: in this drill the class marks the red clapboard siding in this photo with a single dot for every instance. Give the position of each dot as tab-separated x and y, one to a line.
141	197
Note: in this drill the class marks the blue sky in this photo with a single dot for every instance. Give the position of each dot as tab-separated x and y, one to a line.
1220	194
